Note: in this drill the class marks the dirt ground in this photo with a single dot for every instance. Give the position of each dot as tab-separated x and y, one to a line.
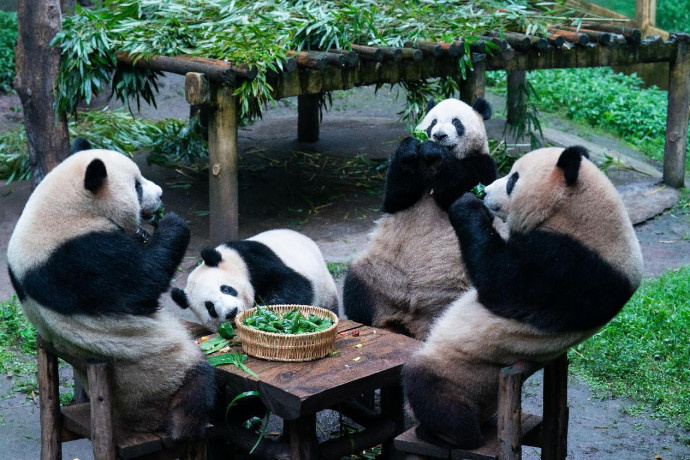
284	183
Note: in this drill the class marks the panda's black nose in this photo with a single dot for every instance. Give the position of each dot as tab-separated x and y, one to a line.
440	136
231	314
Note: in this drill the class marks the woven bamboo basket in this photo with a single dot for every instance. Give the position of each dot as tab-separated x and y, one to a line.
287	347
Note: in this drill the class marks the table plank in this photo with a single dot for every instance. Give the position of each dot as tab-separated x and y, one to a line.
293	389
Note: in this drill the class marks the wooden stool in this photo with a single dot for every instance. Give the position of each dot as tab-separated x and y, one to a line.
511	429
94	420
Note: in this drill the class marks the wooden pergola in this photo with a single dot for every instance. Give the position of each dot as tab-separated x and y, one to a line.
210	84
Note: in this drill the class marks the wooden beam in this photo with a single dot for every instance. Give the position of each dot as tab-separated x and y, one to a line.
473	86
555	431
49	403
509	414
368	53
101	400
675	149
515	99
222	146
308	117
197	90
214	69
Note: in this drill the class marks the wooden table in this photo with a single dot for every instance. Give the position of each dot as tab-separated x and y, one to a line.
297	391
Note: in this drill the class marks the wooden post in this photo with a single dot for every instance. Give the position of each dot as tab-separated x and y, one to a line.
515	101
473	86
392	408
308	118
555	432
677	114
509	414
98	375
49	399
303	442
37	64
222	165
645	13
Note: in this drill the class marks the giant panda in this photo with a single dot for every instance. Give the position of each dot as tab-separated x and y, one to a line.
90	281
274	267
571	262
411	269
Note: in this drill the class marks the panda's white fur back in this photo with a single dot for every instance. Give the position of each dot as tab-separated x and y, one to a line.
302	255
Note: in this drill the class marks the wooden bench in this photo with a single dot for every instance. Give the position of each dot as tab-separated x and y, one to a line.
94	419
511	429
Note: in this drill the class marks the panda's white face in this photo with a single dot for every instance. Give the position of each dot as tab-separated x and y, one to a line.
456	126
217	294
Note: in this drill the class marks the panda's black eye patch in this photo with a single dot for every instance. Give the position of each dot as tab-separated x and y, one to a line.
229	290
211	309
428	130
139	189
459	127
511	182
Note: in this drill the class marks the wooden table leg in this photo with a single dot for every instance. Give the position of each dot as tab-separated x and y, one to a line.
677	115
303	442
392	407
555	432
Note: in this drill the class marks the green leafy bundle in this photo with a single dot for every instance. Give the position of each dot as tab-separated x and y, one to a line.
293	322
259	33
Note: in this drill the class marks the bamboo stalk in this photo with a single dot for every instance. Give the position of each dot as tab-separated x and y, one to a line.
631	34
351	57
571	37
520	42
428	48
368	53
309	59
214	70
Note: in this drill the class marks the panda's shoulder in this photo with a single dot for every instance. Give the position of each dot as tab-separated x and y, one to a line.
257	255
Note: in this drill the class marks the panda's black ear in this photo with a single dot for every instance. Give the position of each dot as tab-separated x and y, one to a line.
569	162
482	107
95	175
430	104
211	257
180	298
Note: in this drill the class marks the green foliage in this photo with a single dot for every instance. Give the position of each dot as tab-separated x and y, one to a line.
17	340
613	101
643	352
169	141
671	15
336	269
259	33
8	35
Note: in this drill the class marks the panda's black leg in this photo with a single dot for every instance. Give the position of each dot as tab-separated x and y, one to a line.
404	185
429	396
192	403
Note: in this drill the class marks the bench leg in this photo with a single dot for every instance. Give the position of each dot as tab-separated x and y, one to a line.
473	87
308	115
98	374
509	414
49	398
677	116
392	407
303	442
555	432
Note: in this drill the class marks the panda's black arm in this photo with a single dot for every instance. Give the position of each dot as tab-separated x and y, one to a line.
404	184
110	272
452	177
548	280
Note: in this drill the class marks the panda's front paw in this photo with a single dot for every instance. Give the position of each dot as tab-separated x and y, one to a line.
407	152
432	152
172	225
468	210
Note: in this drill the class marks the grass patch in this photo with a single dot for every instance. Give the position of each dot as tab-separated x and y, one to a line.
643	352
602	98
8	35
17	346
